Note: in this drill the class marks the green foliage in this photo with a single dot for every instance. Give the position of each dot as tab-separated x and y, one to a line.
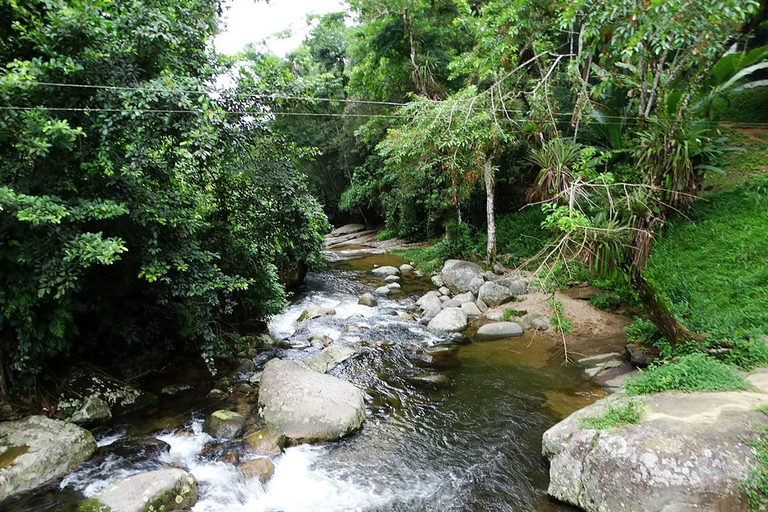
510	314
385	234
756	486
520	235
427	259
629	413
689	373
747	106
559	321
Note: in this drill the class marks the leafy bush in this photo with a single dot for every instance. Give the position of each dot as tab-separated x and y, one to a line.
558	319
521	235
385	234
629	413
689	373
510	314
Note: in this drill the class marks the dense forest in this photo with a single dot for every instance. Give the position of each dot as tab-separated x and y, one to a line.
145	208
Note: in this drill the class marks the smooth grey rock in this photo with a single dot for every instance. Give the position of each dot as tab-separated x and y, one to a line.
689	452
498	331
448	320
37	449
494	293
429	302
391	279
499	269
602	366
383	290
438	281
481	305
314	311
224	424
386	271
463	277
450	303
307	406
444	298
405	267
536	321
163	489
393	286
471	309
348	229
516	284
444	290
320	339
367	299
464	297
329	358
495	316
587	361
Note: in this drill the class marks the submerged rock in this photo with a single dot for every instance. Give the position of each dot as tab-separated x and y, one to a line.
314	311
37	449
430	380
498	331
688	452
164	489
308	406
329	358
391	279
224	424
176	389
266	442
448	320
261	468
386	271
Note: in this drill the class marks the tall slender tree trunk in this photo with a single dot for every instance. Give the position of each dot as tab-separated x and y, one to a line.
490	212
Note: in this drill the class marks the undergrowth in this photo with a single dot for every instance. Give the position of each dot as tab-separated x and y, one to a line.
756	486
620	415
688	373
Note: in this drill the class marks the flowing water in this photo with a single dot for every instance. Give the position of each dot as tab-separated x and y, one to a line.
472	446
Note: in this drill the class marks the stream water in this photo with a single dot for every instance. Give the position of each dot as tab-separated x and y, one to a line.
472	446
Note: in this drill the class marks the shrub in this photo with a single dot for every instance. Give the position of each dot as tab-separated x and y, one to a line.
620	415
756	486
689	373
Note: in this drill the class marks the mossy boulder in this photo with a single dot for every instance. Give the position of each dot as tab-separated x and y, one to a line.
155	491
266	442
224	424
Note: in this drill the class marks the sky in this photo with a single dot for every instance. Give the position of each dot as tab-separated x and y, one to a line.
251	21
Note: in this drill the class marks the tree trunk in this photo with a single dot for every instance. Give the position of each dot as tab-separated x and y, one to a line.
659	313
490	193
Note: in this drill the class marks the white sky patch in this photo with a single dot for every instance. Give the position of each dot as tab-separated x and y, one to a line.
254	21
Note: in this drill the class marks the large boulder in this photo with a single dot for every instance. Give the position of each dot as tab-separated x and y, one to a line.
224	424
689	452
37	449
314	311
498	331
308	406
329	358
163	489
494	293
516	284
348	229
429	302
89	394
448	320
463	277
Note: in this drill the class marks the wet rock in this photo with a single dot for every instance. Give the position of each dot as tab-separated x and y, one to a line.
244	366
329	358
231	458
216	394
266	442
470	309
498	331
494	294
463	277
82	384
438	281
383	290
602	366
255	379
224	424
163	489
250	346
430	380
348	229
393	286
640	355
406	267
436	359
688	452
307	406
391	279
261	468
464	297
429	302
133	448
448	320
406	317
94	411
37	449
323	339
313	311
386	271
444	290
176	389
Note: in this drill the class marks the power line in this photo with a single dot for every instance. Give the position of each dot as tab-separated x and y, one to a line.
188	111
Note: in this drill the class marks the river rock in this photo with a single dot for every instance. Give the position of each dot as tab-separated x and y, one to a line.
535	321
385	271
688	452
429	302
224	424
216	394
82	384
314	311
438	281
406	268
450	303
308	406
383	290
481	305
494	294
498	331
640	355
163	489
444	298
261	468
348	229
391	279
94	411
322	340
464	297
367	299
393	286
176	389
448	320
463	277
37	449
516	284
329	358
470	309
444	290
266	442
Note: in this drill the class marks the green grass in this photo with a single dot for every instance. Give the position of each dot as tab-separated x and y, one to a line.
621	415
510	314
747	106
756	486
689	373
520	235
427	259
713	269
